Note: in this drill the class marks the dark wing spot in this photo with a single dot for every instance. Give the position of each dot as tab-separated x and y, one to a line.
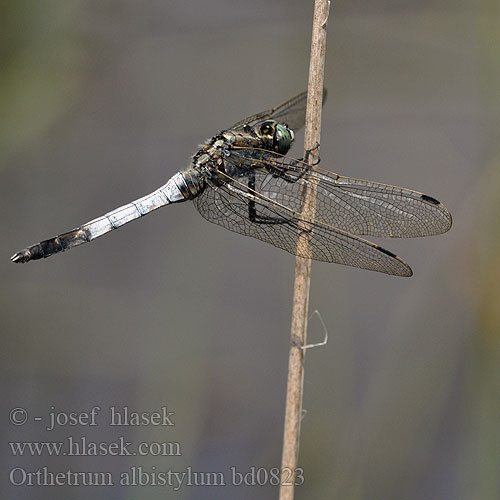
430	199
387	252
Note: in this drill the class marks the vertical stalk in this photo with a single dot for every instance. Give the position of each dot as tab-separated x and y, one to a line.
293	410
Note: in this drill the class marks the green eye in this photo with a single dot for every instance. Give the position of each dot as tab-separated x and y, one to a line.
282	139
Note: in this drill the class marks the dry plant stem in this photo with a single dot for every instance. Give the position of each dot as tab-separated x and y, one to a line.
293	411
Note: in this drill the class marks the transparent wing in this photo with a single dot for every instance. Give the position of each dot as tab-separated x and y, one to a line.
291	112
354	205
230	205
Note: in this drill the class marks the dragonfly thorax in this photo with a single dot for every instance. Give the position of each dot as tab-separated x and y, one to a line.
229	154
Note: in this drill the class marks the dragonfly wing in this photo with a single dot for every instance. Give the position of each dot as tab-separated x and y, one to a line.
228	206
354	205
291	112
376	209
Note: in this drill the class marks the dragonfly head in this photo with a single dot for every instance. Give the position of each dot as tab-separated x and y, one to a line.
279	137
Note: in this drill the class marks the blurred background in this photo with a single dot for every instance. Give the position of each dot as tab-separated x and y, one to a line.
101	102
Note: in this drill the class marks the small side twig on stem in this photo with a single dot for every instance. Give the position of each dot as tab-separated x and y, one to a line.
293	411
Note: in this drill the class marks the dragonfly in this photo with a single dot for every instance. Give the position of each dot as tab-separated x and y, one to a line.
243	179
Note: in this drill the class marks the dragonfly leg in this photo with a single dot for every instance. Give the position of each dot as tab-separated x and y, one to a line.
310	152
252	209
280	172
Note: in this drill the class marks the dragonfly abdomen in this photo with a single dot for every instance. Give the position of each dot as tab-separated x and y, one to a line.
51	246
190	183
182	186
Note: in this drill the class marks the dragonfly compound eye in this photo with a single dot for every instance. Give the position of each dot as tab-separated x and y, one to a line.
282	139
